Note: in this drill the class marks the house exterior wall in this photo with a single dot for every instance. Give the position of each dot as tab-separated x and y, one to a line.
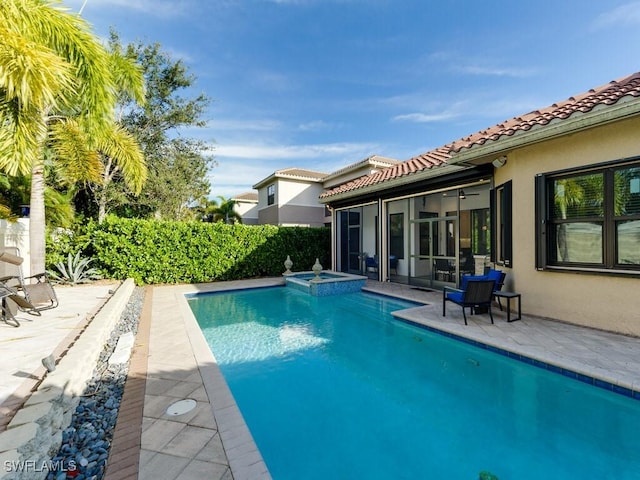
589	299
296	204
15	234
262	196
301	216
248	211
298	193
268	215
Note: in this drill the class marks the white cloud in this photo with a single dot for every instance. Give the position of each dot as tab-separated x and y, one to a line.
264	125
271	81
235	177
240	166
159	8
293	152
477	65
425	117
495	71
622	16
314	126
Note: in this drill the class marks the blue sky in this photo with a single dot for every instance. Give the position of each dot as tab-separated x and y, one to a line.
320	84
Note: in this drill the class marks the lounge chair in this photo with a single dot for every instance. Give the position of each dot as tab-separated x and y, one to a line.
498	276
36	291
10	301
477	293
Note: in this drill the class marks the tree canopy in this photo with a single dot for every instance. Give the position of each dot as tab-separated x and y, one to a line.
58	90
178	165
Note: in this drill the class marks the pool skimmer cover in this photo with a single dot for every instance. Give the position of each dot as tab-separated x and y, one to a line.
181	407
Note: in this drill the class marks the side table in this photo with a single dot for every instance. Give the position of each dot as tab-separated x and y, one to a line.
509	296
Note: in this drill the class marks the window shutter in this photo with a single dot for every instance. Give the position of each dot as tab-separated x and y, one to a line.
541	222
494	225
508	224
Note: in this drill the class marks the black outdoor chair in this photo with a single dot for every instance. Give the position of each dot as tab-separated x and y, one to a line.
444	268
478	293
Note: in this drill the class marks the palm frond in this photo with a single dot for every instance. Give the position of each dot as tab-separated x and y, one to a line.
21	138
59	208
75	159
69	36
34	75
128	76
125	151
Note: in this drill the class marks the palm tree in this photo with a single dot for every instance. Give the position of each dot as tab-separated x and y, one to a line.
225	211
57	84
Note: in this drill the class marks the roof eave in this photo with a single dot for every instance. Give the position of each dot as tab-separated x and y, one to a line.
388	184
577	122
371	161
271	178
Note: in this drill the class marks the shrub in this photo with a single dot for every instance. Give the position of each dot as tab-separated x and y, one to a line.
155	252
75	270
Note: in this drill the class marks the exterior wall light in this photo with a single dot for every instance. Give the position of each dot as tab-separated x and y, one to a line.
500	161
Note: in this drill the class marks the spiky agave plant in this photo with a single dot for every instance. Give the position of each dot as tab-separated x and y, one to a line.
76	270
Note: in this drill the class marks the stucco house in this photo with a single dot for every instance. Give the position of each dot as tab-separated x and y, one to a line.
246	206
289	197
551	197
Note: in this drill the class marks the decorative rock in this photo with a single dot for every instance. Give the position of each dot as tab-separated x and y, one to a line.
86	440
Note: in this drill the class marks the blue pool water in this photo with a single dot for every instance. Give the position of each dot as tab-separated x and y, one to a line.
333	387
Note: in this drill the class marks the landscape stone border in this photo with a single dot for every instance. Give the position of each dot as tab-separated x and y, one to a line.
34	435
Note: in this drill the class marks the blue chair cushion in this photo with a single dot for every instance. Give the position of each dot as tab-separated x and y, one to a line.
455	296
492	274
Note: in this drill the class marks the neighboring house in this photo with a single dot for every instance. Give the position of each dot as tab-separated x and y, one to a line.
551	197
246	205
289	197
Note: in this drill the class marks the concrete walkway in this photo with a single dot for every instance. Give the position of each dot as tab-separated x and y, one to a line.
23	348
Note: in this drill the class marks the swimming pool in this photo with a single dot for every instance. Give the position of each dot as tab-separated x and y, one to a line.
335	388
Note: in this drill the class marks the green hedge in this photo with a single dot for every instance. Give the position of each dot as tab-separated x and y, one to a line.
156	252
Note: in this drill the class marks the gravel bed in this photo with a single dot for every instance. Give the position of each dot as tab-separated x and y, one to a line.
87	440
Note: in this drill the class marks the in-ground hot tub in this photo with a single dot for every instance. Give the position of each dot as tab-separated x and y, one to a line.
327	283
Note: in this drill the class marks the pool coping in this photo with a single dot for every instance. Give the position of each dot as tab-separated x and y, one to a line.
244	457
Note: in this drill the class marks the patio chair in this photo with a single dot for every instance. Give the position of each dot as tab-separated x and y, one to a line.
371	265
10	301
36	290
498	276
477	293
443	267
